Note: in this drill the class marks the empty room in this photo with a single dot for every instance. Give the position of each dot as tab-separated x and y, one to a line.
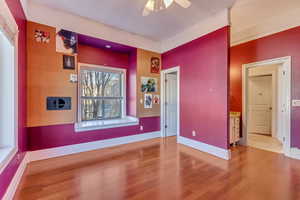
150	99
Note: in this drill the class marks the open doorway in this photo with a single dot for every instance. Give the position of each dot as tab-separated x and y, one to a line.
266	105
170	102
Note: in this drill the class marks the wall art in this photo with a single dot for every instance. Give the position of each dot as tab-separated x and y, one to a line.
148	101
66	41
155	65
148	84
42	36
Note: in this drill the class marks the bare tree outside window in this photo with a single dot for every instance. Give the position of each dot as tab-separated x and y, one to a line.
101	95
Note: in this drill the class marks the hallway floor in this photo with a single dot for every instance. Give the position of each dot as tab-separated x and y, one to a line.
264	142
162	169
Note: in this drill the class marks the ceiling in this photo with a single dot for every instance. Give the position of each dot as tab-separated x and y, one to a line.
256	18
127	14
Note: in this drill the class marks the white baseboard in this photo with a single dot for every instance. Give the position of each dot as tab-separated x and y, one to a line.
12	188
89	146
294	153
67	150
216	151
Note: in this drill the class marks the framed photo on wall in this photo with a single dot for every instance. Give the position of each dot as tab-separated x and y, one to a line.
148	84
66	41
68	62
155	65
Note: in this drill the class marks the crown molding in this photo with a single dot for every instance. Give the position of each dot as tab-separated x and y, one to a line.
266	27
56	18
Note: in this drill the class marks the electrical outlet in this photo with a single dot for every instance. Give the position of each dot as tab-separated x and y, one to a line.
18	157
141	128
194	133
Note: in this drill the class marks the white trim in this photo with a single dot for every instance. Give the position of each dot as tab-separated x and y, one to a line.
265	27
7	21
56	18
213	150
12	25
6	156
294	153
12	188
286	61
89	146
105	124
102	68
67	150
53	17
162	100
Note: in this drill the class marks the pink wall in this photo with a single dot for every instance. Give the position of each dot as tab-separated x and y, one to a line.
286	43
60	135
9	171
203	87
131	83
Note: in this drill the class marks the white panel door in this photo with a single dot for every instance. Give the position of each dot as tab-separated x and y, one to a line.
171	104
260	105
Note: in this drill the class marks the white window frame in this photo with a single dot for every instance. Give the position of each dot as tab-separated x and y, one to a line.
9	28
105	123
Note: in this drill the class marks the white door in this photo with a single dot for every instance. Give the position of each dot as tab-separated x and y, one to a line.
171	104
260	105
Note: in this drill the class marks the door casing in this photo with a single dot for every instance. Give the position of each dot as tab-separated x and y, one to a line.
163	99
286	63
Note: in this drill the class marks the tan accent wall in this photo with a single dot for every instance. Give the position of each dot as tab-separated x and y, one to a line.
46	77
144	69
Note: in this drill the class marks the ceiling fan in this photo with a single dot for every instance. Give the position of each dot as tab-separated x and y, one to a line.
157	5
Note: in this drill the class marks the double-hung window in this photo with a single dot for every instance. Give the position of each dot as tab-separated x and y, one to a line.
101	93
102	97
8	86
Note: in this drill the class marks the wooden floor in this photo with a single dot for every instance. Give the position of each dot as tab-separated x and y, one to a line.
157	169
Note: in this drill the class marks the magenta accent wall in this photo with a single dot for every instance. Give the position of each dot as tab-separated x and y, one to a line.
8	173
285	43
204	87
131	84
60	135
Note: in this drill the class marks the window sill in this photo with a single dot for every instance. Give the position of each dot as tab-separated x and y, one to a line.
105	124
6	154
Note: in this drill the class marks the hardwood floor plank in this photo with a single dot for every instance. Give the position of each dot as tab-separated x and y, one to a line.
162	169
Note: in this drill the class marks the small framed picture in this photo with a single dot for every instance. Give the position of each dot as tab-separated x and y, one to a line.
155	65
68	62
148	101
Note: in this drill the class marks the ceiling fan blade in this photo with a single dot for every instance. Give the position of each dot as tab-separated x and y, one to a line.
146	12
183	3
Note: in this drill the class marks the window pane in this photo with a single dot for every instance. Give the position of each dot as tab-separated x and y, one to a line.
91	83
91	109
112	108
112	86
99	84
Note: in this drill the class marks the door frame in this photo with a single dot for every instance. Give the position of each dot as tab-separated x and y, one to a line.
163	74
286	62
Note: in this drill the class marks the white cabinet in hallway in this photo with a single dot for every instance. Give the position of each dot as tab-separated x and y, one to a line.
234	127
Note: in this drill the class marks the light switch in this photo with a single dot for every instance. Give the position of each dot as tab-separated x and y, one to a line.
73	78
296	103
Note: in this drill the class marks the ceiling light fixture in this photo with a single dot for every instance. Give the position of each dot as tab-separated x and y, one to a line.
157	5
